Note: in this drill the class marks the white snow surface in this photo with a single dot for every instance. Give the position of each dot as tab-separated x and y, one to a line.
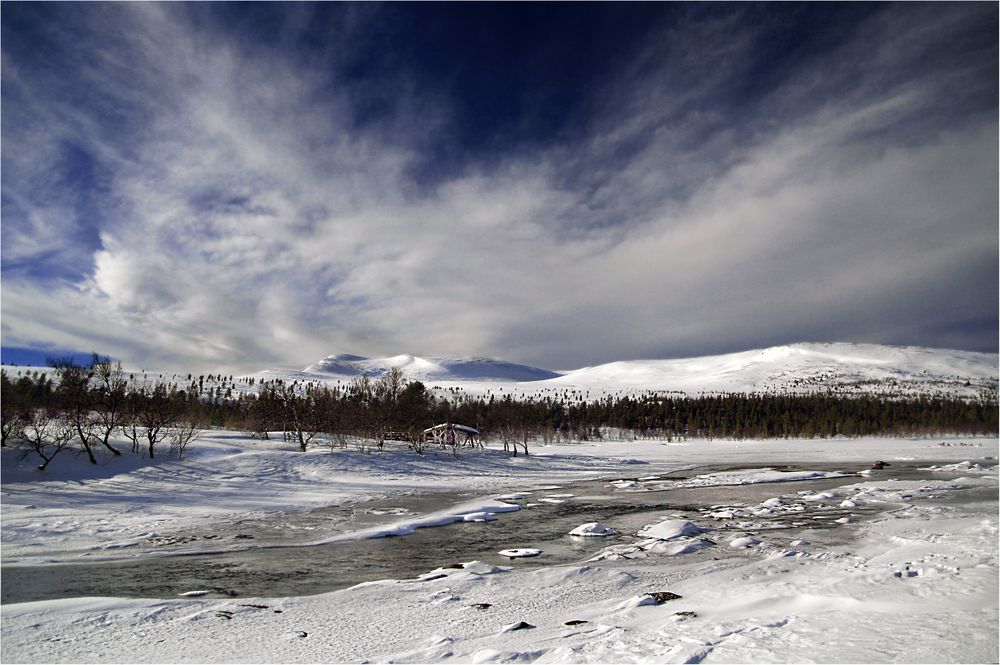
917	583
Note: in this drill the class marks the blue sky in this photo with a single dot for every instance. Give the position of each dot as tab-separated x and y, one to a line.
226	185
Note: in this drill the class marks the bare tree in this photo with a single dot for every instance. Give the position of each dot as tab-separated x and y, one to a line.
514	428
130	426
263	412
417	440
74	387
13	411
361	442
48	433
180	435
151	412
366	394
299	414
393	383
383	404
112	393
12	425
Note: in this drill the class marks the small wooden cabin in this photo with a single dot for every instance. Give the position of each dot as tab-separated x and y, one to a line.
451	434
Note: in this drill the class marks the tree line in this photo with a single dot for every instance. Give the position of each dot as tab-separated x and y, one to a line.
90	407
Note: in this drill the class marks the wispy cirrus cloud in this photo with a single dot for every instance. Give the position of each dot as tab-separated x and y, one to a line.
183	189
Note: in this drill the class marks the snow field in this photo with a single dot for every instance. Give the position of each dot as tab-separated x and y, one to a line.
918	583
108	511
834	606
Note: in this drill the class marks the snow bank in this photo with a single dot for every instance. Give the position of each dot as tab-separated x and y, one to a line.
963	467
670	529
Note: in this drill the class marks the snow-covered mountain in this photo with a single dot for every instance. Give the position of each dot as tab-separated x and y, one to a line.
806	367
431	369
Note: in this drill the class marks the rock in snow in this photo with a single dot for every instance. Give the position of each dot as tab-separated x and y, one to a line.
520	625
663	596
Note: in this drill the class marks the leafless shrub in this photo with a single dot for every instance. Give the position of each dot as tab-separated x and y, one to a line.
180	435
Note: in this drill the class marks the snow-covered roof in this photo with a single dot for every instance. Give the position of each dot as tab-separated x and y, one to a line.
460	428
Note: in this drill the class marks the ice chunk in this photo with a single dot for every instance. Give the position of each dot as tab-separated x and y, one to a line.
723	514
519	553
479	517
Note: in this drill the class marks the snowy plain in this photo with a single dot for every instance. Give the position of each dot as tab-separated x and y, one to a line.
915	582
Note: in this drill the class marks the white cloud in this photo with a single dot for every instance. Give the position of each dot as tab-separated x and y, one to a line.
253	224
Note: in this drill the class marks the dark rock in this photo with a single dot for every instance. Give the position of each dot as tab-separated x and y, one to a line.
662	596
224	614
278	611
243	536
686	614
575	622
482	606
256	607
431	578
879	465
454	565
303	633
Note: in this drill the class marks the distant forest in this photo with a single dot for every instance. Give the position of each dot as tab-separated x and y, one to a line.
98	406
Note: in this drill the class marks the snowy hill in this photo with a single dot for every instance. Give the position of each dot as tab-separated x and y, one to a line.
800	368
804	368
431	369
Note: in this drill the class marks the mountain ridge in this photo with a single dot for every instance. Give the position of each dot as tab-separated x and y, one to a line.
431	368
799	367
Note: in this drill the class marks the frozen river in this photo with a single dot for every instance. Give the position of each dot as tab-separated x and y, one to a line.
270	558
